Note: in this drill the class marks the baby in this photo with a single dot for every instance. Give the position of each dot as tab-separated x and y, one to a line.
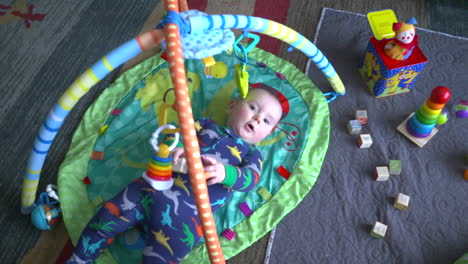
169	217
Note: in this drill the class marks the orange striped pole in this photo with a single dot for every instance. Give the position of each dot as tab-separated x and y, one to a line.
191	147
183	5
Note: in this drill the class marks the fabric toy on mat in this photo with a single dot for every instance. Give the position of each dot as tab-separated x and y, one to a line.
401	47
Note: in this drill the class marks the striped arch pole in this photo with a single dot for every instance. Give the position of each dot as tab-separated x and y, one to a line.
191	147
272	29
146	42
67	101
96	73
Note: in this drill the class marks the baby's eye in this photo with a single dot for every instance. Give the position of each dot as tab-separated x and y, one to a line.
266	121
252	107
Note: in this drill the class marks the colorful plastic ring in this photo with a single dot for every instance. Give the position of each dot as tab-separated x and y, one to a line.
414	128
160	159
424	120
434	105
420	127
430	111
427	115
155	136
159	173
157	177
159	168
161	163
416	134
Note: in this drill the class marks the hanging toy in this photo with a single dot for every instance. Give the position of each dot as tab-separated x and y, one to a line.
242	79
46	212
159	171
241	74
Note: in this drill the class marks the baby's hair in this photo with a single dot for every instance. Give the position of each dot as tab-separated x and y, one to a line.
277	94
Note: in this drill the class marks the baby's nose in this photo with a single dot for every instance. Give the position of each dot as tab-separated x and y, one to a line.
256	118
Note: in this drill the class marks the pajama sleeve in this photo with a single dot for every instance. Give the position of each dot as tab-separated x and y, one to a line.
245	176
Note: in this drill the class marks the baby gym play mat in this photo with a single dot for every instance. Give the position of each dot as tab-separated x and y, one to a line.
127	110
110	147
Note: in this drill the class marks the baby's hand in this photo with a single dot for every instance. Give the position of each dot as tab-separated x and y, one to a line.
177	153
214	170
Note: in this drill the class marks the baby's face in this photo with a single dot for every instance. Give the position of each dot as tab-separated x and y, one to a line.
406	36
254	117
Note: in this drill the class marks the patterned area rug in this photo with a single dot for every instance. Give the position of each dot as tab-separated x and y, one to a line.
44	46
333	223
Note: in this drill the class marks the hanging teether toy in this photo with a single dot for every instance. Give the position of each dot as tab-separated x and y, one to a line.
241	74
159	171
46	212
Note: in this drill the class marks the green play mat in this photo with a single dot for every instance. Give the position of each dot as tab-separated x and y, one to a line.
119	124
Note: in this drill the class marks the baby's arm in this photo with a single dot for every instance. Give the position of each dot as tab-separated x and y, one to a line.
215	170
241	178
245	176
178	152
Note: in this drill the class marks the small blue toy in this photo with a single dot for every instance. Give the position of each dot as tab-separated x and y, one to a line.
46	212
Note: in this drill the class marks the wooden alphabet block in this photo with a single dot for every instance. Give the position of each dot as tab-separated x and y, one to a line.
395	167
401	201
354	127
361	115
381	173
378	230
180	166
364	141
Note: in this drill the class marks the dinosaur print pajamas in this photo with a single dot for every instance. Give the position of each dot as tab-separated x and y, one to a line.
169	217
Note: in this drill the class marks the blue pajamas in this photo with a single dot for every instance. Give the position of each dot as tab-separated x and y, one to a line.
170	217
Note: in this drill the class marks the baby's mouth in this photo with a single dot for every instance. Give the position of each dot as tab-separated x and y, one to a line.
250	127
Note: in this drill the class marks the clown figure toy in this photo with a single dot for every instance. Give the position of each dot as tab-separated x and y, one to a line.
401	47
